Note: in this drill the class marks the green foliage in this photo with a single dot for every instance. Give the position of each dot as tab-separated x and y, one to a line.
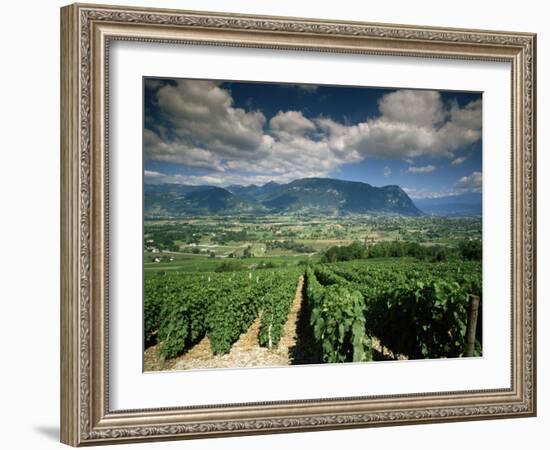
229	266
276	306
238	304
154	292
326	276
180	309
233	310
230	236
355	250
267	265
400	249
417	309
337	318
290	245
471	250
163	236
467	250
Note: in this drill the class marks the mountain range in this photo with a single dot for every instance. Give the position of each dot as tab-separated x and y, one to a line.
306	195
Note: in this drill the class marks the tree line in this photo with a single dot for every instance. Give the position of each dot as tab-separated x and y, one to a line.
466	250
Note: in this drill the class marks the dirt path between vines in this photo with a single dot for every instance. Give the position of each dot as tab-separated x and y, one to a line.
246	352
385	351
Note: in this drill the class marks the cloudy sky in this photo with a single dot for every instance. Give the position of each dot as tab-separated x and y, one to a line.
222	133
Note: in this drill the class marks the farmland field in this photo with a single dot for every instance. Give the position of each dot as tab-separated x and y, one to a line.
292	290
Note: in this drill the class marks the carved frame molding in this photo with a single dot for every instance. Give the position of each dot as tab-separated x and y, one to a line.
86	32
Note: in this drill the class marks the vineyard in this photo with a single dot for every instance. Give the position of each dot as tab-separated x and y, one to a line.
180	309
414	308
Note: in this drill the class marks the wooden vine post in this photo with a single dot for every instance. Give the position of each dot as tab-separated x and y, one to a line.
473	308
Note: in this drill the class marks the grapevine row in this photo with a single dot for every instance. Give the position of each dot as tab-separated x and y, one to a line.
180	309
337	319
416	309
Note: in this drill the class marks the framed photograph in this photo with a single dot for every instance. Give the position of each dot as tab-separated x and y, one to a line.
278	224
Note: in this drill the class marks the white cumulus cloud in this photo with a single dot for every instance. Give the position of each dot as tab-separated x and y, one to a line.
199	126
470	183
202	114
458	161
421	169
412	124
290	123
421	108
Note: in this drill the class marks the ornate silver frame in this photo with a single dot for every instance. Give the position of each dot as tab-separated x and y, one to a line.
86	31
